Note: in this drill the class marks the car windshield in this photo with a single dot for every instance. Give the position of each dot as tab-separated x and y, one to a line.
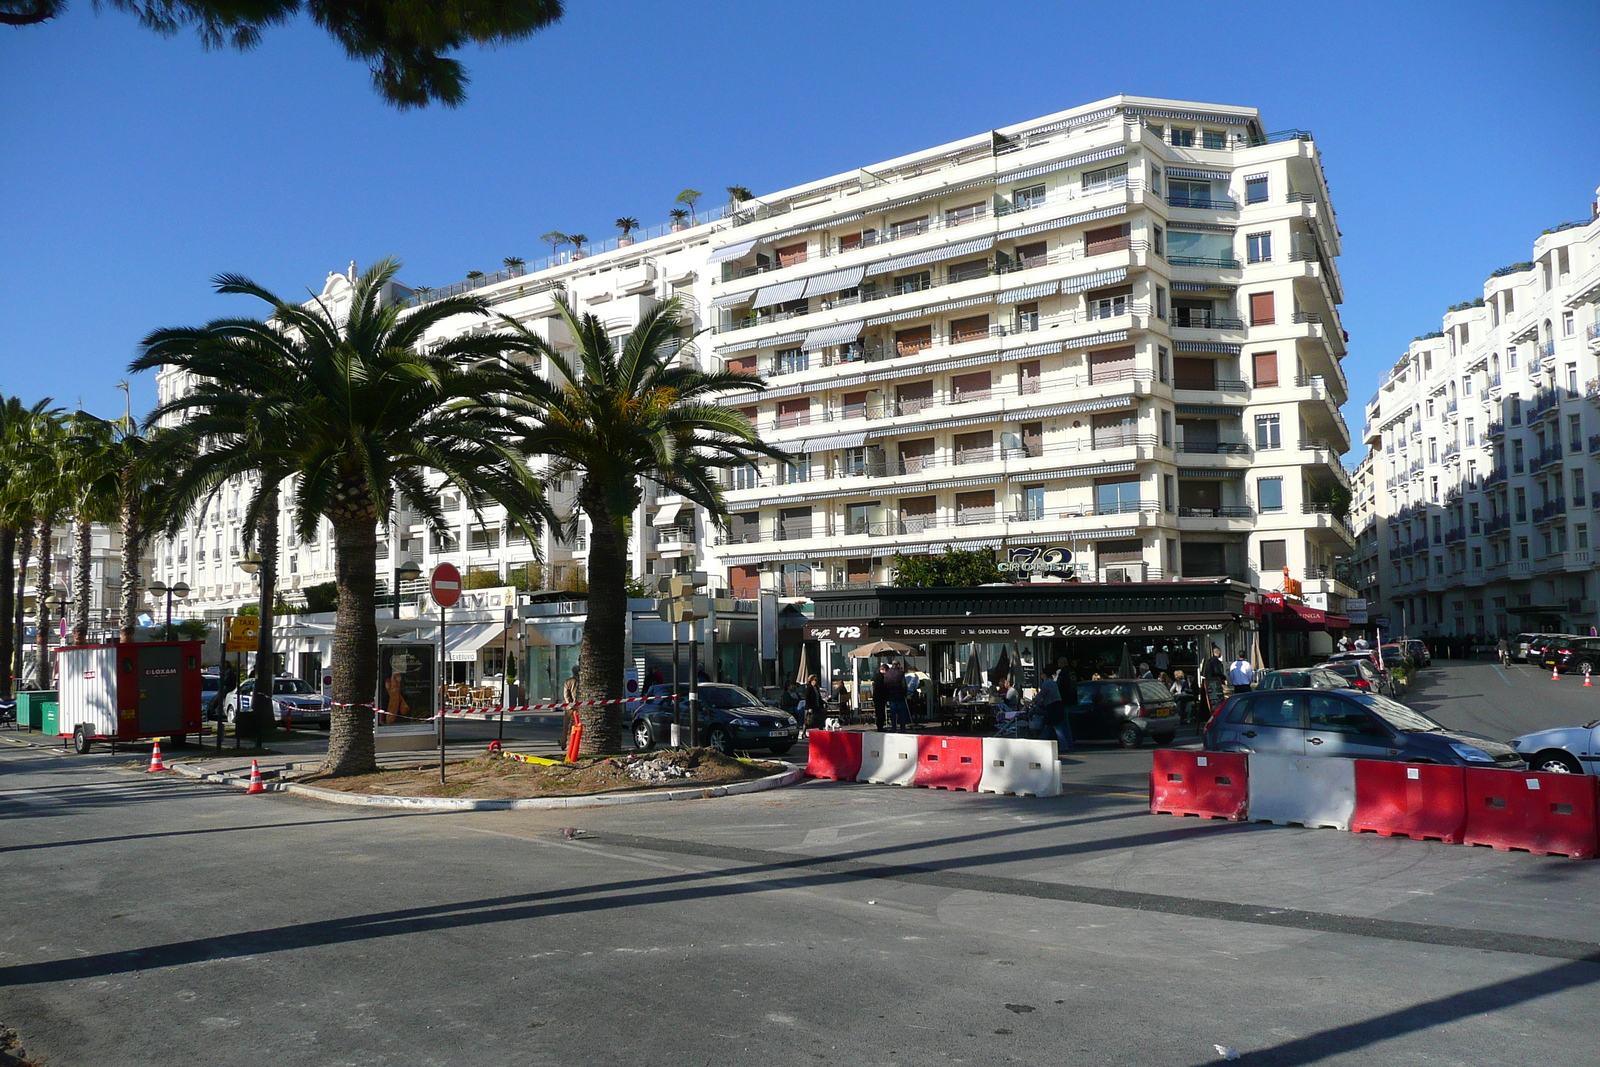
715	695
1286	680
289	686
1397	714
1348	669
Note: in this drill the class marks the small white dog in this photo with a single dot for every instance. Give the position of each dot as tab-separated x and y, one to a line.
833	723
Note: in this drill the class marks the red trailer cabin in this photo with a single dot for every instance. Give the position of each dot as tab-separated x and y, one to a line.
126	692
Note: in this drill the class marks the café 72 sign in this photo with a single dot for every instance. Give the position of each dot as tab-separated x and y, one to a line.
1035	559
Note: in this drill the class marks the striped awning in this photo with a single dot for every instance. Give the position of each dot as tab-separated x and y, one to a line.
767	557
1200	287
934	194
1064	220
1097	339
1212	410
1028	292
781	293
1031	351
1094	471
738	346
1211	473
733	251
1221	348
1201	175
1076	407
838	440
728	300
833	281
840	333
926	425
1207	227
1085	282
935	309
1062	164
932	255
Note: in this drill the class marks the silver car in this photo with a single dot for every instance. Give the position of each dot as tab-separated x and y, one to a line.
1563	750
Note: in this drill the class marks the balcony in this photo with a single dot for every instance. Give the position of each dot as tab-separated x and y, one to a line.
1226	511
1203	203
1494	429
1203	262
1214	448
1550	511
1190	319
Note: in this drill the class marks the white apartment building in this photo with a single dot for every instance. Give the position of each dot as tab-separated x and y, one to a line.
1112	331
1484	438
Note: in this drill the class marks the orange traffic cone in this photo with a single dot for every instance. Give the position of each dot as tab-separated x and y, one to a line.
255	779
1586	683
155	758
1555	674
575	740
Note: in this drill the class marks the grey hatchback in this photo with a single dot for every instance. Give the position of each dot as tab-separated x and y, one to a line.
1301	678
1346	722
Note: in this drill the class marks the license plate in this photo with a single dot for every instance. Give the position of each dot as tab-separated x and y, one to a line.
779	733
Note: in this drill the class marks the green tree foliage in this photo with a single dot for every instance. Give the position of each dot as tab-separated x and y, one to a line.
323	596
956	567
403	43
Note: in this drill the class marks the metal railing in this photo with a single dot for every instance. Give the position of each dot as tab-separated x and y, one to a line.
1205	203
1214	448
1225	511
1187	319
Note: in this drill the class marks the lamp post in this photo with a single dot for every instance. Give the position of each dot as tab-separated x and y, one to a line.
179	590
409	571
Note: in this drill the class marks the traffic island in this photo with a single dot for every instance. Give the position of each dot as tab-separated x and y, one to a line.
514	781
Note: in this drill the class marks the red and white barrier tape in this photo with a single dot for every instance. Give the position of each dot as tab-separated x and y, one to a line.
519	707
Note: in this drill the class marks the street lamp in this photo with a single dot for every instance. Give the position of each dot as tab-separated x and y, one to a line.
409	571
158	589
251	563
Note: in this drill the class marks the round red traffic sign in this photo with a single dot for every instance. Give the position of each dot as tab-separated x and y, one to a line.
444	585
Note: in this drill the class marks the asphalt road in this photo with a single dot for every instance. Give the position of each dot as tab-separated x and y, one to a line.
152	920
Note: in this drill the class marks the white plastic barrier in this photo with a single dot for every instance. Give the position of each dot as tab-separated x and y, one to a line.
1024	767
1309	790
888	759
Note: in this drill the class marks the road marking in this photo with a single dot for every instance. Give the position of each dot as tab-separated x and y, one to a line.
31	798
1503	677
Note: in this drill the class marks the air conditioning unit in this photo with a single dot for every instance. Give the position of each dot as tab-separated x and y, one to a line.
1122	572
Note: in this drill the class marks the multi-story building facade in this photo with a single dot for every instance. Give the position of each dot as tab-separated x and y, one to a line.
1113	331
1484	441
1362	572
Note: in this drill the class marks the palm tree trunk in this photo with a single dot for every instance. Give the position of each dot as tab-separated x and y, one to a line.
600	661
267	548
132	535
8	603
43	586
83	541
355	645
24	553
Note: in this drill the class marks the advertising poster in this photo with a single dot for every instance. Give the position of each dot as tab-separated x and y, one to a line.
405	679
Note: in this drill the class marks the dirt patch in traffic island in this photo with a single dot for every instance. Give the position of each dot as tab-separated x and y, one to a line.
503	778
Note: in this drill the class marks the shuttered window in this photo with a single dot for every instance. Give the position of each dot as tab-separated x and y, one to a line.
975	447
969	329
1112	431
1129	550
975	506
747	526
913	340
796	412
745	582
1028	375
742	365
795	523
1033	438
1192	373
789	255
854	405
917	513
914	397
967	387
1274	556
1106	239
1261	309
1111	365
915	455
1266	368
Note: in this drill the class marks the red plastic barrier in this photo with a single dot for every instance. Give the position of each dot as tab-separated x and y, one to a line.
1212	785
834	754
1410	800
949	763
1549	814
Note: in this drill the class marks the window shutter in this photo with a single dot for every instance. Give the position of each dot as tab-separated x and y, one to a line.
1261	309
1266	366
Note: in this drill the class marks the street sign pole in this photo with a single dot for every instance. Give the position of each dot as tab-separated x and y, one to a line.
443	663
445	587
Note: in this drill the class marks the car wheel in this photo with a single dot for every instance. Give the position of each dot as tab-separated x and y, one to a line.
720	740
643	739
228	713
778	750
1555	763
1585	667
1130	736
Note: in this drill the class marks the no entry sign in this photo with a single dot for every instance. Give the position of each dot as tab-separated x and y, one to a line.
444	585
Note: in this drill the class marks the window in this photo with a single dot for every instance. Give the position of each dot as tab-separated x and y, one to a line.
1266	369
1268	433
1162	361
1472	433
1516	456
1189	249
1580	535
1575	433
1270	709
1182	137
1031	197
1433	450
1105	178
1568	324
1161	303
1430	408
1516	409
1577	487
1116	498
1028	377
1255	189
789	255
791	361
1274	556
1160	240
1033	503
1466	385
1521	509
1108	307
1262	311
1189	193
1269	494
1572	378
1331	713
1259	247
1212	139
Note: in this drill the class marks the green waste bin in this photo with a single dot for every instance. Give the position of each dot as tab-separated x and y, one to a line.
30	707
51	724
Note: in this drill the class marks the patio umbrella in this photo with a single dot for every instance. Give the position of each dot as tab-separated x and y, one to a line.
1255	652
1001	669
801	673
1126	669
973	675
880	648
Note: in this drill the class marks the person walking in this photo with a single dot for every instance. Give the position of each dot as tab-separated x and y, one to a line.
1241	674
569	713
814	707
1183	690
1050	715
893	681
1212	675
1163	660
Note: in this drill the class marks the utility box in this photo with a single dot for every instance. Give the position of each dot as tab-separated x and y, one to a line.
128	691
51	723
30	707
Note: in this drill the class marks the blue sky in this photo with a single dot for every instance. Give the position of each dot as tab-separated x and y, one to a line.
136	167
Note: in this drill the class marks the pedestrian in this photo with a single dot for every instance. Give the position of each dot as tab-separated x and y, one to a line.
1050	715
816	711
1144	671
1344	643
569	713
1241	674
1362	644
841	699
1163	661
792	699
1067	684
1212	675
1183	690
227	681
893	681
1504	651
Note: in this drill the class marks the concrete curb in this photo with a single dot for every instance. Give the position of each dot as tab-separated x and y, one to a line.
367	800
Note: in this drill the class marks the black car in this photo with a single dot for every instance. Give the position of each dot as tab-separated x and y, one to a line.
1361	674
731	719
1353	723
1124	711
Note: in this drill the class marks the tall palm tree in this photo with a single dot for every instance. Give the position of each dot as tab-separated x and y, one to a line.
93	476
347	402
48	483
138	506
17	424
615	417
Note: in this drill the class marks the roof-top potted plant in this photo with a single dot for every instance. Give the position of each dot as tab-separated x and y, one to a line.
627	225
688	198
578	240
515	265
680	219
555	239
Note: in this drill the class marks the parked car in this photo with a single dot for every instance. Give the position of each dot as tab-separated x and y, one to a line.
1361	674
1302	678
731	719
1520	644
290	697
1418	650
1581	654
1563	750
1346	722
1533	652
1124	711
210	682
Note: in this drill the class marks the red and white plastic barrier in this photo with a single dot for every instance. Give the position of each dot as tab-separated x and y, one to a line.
1420	800
1020	766
1548	814
970	764
1309	791
949	763
888	759
834	754
1211	785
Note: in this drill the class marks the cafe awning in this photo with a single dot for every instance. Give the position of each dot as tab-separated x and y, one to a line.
463	642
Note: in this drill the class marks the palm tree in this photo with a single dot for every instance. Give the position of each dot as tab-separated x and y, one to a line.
50	489
515	264
578	240
17	423
349	406
93	477
615	418
678	216
689	197
627	225
137	512
738	194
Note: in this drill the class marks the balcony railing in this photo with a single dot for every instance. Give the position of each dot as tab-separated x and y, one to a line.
1214	448
1204	203
1225	511
1188	319
1203	261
